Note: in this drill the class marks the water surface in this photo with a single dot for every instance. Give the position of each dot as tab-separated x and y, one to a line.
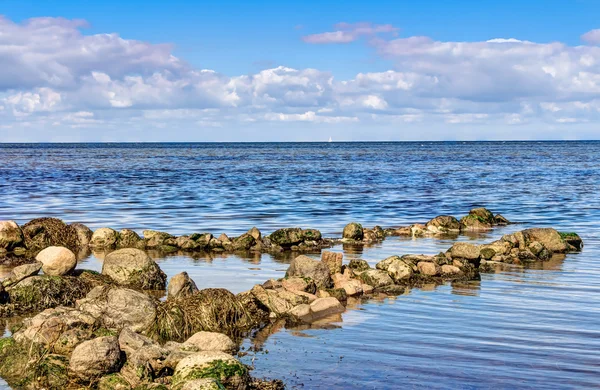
519	328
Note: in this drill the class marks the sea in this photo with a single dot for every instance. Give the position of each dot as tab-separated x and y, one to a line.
533	327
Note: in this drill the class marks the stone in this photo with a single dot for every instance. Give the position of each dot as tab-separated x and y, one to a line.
70	339
359	265
128	239
243	243
95	358
47	327
287	237
21	272
255	233
443	224
212	341
84	234
113	382
212	365
272	283
224	239
201	384
118	308
376	278
186	242
353	231
181	285
499	219
311	235
549	237
418	230
155	238
11	235
483	214
297	283
465	251
145	364
428	268
104	238
57	261
271	300
397	268
134	268
352	287
450	270
323	307
333	261
130	341
306	267
573	239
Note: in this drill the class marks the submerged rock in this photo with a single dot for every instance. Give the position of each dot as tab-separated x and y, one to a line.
133	267
287	237
57	261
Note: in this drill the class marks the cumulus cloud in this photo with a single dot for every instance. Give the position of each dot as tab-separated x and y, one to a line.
347	32
592	37
56	77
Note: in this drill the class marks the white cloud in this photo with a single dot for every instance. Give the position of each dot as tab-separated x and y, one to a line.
54	75
347	32
591	37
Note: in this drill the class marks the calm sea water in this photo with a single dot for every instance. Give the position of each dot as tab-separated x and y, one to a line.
537	327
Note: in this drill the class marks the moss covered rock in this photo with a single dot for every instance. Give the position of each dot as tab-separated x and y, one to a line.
211	365
134	268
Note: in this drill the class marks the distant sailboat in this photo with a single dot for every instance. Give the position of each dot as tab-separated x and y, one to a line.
330	140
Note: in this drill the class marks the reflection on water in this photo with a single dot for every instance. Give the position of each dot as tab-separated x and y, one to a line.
522	327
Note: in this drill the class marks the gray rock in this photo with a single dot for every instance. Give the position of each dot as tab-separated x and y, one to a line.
95	358
11	235
306	267
443	224
21	272
181	285
287	237
118	308
376	278
464	250
133	267
211	341
130	341
104	238
128	239
84	234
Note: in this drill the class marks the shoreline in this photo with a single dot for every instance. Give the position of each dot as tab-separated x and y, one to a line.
311	291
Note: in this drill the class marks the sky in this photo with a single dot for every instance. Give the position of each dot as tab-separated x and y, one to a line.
145	71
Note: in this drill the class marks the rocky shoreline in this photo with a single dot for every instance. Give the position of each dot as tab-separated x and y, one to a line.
109	331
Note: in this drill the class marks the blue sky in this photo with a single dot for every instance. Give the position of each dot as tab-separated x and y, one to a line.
400	78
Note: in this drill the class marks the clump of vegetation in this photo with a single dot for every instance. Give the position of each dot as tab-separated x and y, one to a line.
212	309
41	233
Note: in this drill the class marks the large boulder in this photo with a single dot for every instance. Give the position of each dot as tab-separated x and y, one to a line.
479	219
271	300
443	224
212	365
287	237
95	358
549	237
211	341
181	285
57	261
21	272
243	242
306	267
155	238
133	267
11	235
104	238
41	233
353	231
120	307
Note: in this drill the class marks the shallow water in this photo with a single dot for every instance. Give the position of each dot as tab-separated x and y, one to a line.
518	328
